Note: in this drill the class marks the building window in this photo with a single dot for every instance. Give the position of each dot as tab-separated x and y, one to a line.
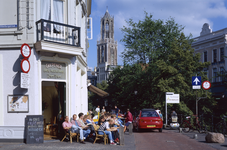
102	54
205	56
214	74
107	25
222	71
206	73
56	10
214	55
222	54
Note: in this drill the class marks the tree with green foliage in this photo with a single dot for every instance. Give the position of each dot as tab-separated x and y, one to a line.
158	58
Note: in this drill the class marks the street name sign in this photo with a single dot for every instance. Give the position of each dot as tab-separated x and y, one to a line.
174	98
196	82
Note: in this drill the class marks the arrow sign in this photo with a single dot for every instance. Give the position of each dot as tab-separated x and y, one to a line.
196	82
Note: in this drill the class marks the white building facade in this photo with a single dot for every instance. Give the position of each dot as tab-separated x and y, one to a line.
56	32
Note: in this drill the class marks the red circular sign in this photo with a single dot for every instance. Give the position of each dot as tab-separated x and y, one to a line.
206	85
25	50
25	65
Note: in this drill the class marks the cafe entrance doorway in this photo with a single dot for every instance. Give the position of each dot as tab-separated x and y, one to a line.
53	108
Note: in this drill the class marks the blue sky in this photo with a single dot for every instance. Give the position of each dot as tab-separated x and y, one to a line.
192	14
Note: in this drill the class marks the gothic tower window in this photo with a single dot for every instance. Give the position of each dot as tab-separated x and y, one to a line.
112	57
102	54
103	29
107	25
107	29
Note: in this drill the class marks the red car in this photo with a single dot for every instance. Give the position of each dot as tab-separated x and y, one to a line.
147	119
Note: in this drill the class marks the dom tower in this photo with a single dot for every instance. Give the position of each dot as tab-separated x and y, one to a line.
106	48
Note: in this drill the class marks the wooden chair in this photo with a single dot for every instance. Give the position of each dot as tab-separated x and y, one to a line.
71	135
98	136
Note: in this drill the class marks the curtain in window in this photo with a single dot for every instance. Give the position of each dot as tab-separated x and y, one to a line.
58	14
45	10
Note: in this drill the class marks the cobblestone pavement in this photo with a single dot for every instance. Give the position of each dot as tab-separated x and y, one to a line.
168	140
57	145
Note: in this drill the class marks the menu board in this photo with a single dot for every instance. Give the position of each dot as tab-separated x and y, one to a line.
34	129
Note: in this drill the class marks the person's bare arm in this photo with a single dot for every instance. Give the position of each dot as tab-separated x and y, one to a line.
66	128
112	129
84	127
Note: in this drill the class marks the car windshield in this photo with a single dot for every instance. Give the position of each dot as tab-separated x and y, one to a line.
149	114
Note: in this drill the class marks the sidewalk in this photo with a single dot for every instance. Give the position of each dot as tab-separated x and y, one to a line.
57	145
201	138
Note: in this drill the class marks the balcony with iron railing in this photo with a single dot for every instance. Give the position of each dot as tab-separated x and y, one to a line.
57	33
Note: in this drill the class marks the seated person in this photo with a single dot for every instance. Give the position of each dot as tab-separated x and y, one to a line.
107	116
70	127
81	124
80	130
100	122
104	127
90	125
89	120
116	123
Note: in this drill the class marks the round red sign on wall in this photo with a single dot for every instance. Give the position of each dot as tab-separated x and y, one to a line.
25	65
25	50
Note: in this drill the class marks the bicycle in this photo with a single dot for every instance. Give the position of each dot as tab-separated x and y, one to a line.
187	125
220	127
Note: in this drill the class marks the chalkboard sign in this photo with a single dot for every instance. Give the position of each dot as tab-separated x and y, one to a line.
34	129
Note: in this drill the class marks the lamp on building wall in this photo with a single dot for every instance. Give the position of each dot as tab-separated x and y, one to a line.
135	92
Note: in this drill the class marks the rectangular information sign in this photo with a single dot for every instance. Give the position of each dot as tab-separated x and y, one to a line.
175	98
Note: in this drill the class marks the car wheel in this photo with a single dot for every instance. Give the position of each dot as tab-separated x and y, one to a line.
160	130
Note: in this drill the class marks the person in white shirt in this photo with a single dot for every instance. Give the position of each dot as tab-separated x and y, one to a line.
157	110
97	109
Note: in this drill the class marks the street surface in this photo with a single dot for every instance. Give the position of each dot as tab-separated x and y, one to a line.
144	140
172	140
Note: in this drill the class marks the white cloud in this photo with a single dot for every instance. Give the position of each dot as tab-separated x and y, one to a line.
189	13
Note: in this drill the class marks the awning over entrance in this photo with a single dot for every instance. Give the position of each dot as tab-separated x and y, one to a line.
98	91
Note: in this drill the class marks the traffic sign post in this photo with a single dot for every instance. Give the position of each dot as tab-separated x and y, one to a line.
196	84
171	98
25	65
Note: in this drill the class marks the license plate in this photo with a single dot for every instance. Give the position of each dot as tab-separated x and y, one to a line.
151	125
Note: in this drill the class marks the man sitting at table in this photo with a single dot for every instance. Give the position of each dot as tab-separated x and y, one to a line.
68	126
81	124
80	130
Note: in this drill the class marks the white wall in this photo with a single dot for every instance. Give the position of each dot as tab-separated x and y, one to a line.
1	93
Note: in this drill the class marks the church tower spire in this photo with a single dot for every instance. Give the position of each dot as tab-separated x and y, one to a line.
106	46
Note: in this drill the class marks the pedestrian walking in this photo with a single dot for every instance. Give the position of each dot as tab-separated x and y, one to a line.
160	114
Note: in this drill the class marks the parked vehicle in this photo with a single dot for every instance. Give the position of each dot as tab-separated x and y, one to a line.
174	122
147	119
